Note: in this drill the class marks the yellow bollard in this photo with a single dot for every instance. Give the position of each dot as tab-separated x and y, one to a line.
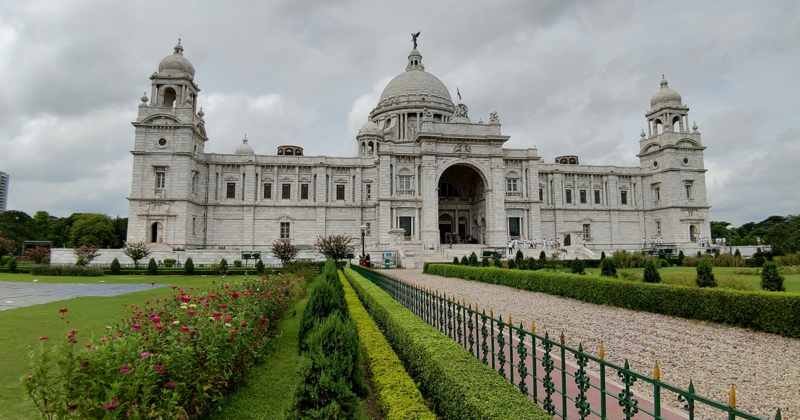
657	372
509	320
732	397
533	328
602	352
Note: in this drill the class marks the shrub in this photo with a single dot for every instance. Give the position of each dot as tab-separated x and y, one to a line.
464	260
512	263
136	251
80	262
335	247
4	260
628	276
473	260
663	263
530	263
769	312
397	395
607	268
152	267
577	267
237	263
12	266
737	253
260	267
326	299
73	270
771	280
705	278
520	257
602	255
651	272
155	362
699	254
455	260
169	262
114	267
735	282
542	258
455	384
85	253
188	267
484	262
284	251
680	258
331	377
37	254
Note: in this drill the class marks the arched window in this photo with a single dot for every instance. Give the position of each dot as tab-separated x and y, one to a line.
447	189
289	151
280	151
298	152
677	124
169	97
371	149
659	127
564	161
572	161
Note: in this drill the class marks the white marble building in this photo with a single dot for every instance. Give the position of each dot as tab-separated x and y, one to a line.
423	174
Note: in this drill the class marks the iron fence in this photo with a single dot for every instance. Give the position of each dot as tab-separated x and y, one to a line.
567	382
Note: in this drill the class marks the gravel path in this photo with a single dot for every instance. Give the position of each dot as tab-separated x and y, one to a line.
764	367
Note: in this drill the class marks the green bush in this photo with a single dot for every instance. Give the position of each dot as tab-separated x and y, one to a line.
12	265
237	263
455	384
769	312
169	262
542	259
455	260
332	380
188	267
152	267
737	253
114	268
530	263
325	300
705	276
771	280
680	258
663	263
520	257
464	260
74	270
260	267
602	256
4	260
651	272
607	268
473	260
577	266
397	395
484	262
80	262
512	263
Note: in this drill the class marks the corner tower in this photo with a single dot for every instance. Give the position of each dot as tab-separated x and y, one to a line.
671	155
168	193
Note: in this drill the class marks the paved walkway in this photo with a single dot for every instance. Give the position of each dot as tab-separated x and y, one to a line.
18	295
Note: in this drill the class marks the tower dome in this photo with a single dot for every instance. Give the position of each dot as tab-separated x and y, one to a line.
369	129
244	148
176	64
665	94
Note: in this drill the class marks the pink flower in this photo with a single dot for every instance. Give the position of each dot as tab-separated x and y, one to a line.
184	329
145	355
233	332
63	310
102	340
44	338
171	384
244	324
155	319
125	369
158	367
191	313
159	327
136	327
112	406
223	306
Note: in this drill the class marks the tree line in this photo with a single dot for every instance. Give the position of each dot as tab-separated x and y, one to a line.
78	229
782	232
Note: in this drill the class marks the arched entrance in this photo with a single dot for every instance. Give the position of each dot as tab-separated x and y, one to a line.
567	240
155	232
692	232
462	205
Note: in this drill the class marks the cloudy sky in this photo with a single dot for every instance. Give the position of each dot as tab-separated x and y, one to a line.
567	77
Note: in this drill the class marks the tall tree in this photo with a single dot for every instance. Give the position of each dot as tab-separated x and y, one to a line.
93	230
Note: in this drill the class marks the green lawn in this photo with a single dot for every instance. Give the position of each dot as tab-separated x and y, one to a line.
791	282
22	327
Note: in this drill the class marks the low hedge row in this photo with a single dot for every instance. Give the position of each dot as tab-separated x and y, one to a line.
456	384
398	397
777	313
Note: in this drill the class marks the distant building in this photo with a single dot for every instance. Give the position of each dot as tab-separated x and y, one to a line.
3	191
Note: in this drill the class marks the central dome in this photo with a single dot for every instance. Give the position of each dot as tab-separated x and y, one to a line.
415	82
176	64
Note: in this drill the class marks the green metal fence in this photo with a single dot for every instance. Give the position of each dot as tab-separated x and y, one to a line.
557	376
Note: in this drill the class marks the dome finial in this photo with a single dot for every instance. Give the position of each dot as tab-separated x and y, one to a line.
642	135
664	82
178	47
201	113
244	140
144	98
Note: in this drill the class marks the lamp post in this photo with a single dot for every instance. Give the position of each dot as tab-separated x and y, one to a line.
363	234
730	243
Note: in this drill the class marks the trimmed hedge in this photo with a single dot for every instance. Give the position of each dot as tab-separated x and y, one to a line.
397	395
456	384
777	313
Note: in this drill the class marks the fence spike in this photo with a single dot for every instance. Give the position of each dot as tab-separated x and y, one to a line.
509	320
691	386
476	306
657	372
602	352
463	302
491	312
562	337
533	327
778	414
732	397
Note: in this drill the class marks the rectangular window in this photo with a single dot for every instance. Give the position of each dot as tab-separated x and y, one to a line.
268	191
405	223
284	230
404	183
340	192
231	193
688	191
658	193
597	196
541	194
587	232
569	196
216	187
623	197
513	226
369	191
194	183
368	230
161	180
658	227
286	191
193	226
583	196
511	185
304	191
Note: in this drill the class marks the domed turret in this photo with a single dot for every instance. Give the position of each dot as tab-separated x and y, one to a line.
244	148
369	129
176	64
369	139
665	94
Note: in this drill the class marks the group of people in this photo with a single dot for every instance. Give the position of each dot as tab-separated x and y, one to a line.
653	241
364	261
534	243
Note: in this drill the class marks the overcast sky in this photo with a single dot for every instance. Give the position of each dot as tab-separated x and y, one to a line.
567	77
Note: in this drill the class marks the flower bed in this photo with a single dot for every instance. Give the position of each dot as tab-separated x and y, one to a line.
170	359
398	397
